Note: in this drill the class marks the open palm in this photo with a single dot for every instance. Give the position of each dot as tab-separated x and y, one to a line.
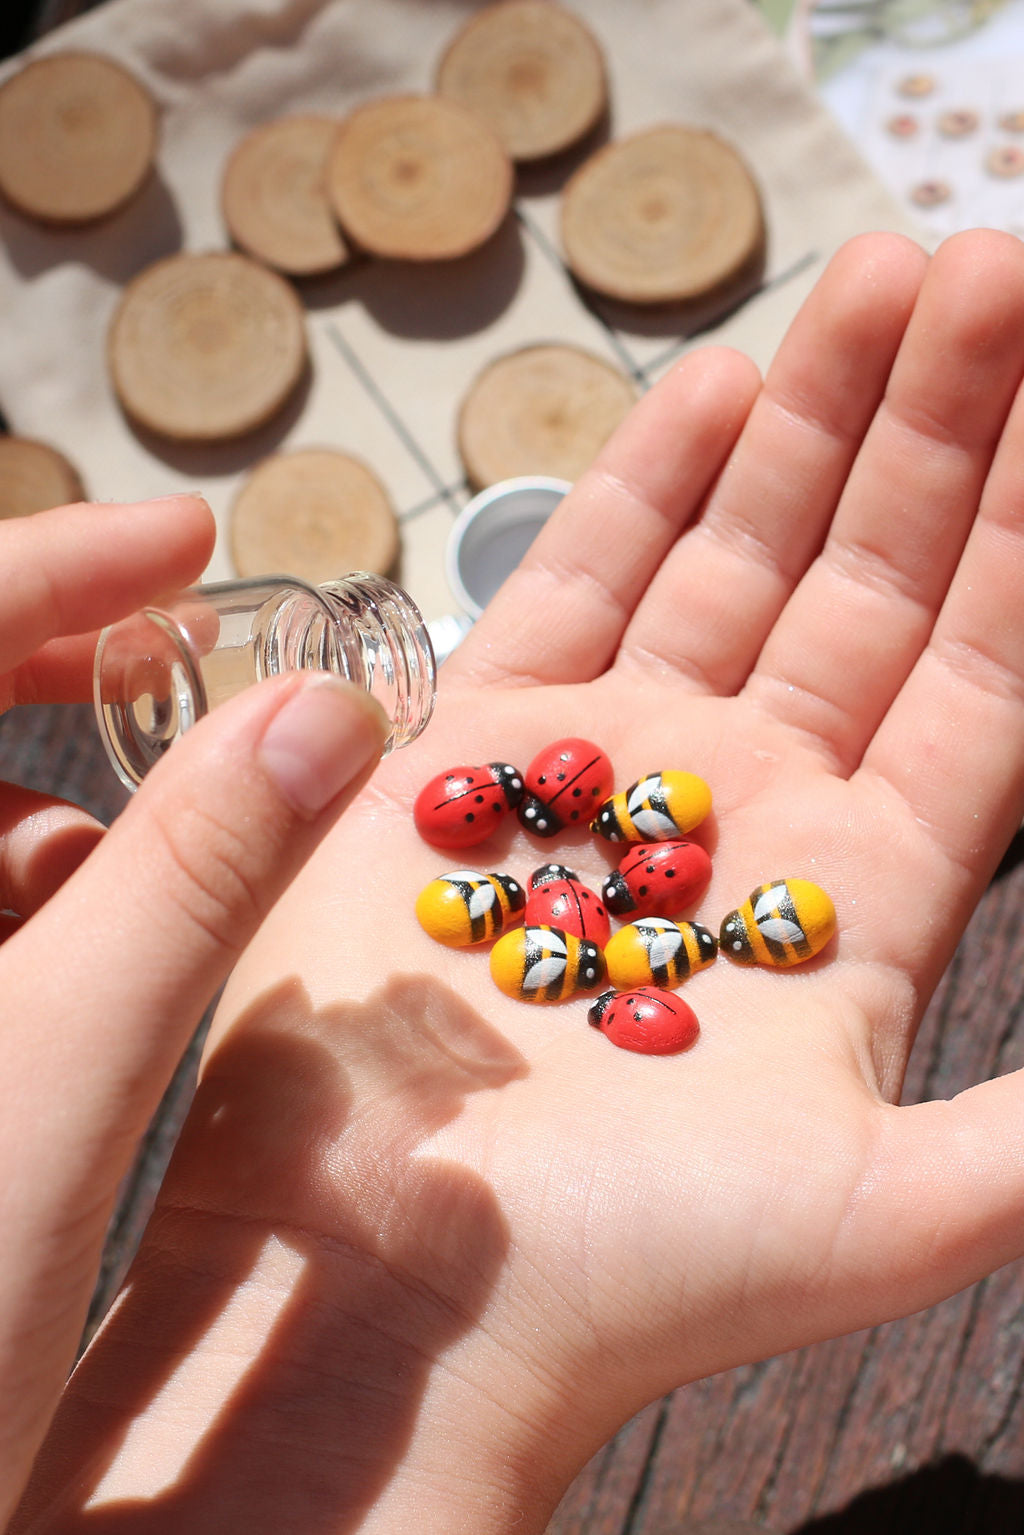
449	1241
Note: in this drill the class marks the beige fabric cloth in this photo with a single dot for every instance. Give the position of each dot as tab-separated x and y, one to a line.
394	350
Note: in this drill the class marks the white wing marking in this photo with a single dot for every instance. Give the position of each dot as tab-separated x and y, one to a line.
481	900
550	968
653	824
766	903
548	940
781	930
643	789
664	949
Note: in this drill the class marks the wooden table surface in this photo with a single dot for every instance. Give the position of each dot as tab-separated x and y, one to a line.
914	1427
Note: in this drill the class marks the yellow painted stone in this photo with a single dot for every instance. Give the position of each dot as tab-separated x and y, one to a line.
783	923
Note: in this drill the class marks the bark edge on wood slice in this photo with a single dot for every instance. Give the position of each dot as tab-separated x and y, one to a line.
543	409
418	178
78	136
317	513
668	215
206	347
531	70
274	197
34	476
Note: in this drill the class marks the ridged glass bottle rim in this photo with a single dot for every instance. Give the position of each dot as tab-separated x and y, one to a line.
404	636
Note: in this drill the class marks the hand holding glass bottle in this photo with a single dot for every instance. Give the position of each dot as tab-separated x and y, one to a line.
162	669
113	943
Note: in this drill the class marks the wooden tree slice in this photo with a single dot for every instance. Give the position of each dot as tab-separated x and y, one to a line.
34	477
205	347
418	178
315	513
77	137
666	215
274	199
531	70
542	410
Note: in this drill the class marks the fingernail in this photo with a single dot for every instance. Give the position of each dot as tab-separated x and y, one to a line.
175	497
323	737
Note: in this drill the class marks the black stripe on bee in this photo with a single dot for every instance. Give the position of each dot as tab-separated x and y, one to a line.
783	907
478	920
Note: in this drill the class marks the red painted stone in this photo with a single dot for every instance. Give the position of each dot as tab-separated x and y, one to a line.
558	898
564	786
657	879
646	1019
463	805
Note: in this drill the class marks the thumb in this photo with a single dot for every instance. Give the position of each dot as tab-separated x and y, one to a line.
103	987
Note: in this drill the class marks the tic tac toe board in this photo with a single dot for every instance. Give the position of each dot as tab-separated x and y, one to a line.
394	346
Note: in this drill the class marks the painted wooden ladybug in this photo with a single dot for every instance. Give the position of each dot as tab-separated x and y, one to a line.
543	964
654	951
646	1019
657	808
465	907
463	805
558	898
657	879
563	786
780	925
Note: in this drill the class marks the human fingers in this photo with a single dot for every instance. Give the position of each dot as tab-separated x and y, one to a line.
952	744
43	841
76	568
718	594
857	623
103	987
60	672
559	617
940	1202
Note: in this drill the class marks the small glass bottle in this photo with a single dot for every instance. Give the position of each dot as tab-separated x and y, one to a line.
166	666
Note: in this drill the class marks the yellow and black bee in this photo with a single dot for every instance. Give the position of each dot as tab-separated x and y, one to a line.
465	907
543	964
656	808
781	925
656	952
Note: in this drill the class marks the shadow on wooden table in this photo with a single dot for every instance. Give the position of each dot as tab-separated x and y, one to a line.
951	1497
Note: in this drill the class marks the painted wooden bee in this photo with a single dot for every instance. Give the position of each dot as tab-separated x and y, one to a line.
654	809
782	924
464	907
656	952
543	964
647	1020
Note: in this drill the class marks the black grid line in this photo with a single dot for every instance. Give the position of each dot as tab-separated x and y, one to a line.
447	496
586	299
453	494
442	490
642	373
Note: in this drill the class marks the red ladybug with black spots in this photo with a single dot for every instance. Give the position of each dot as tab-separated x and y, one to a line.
657	879
463	805
558	898
646	1019
564	786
